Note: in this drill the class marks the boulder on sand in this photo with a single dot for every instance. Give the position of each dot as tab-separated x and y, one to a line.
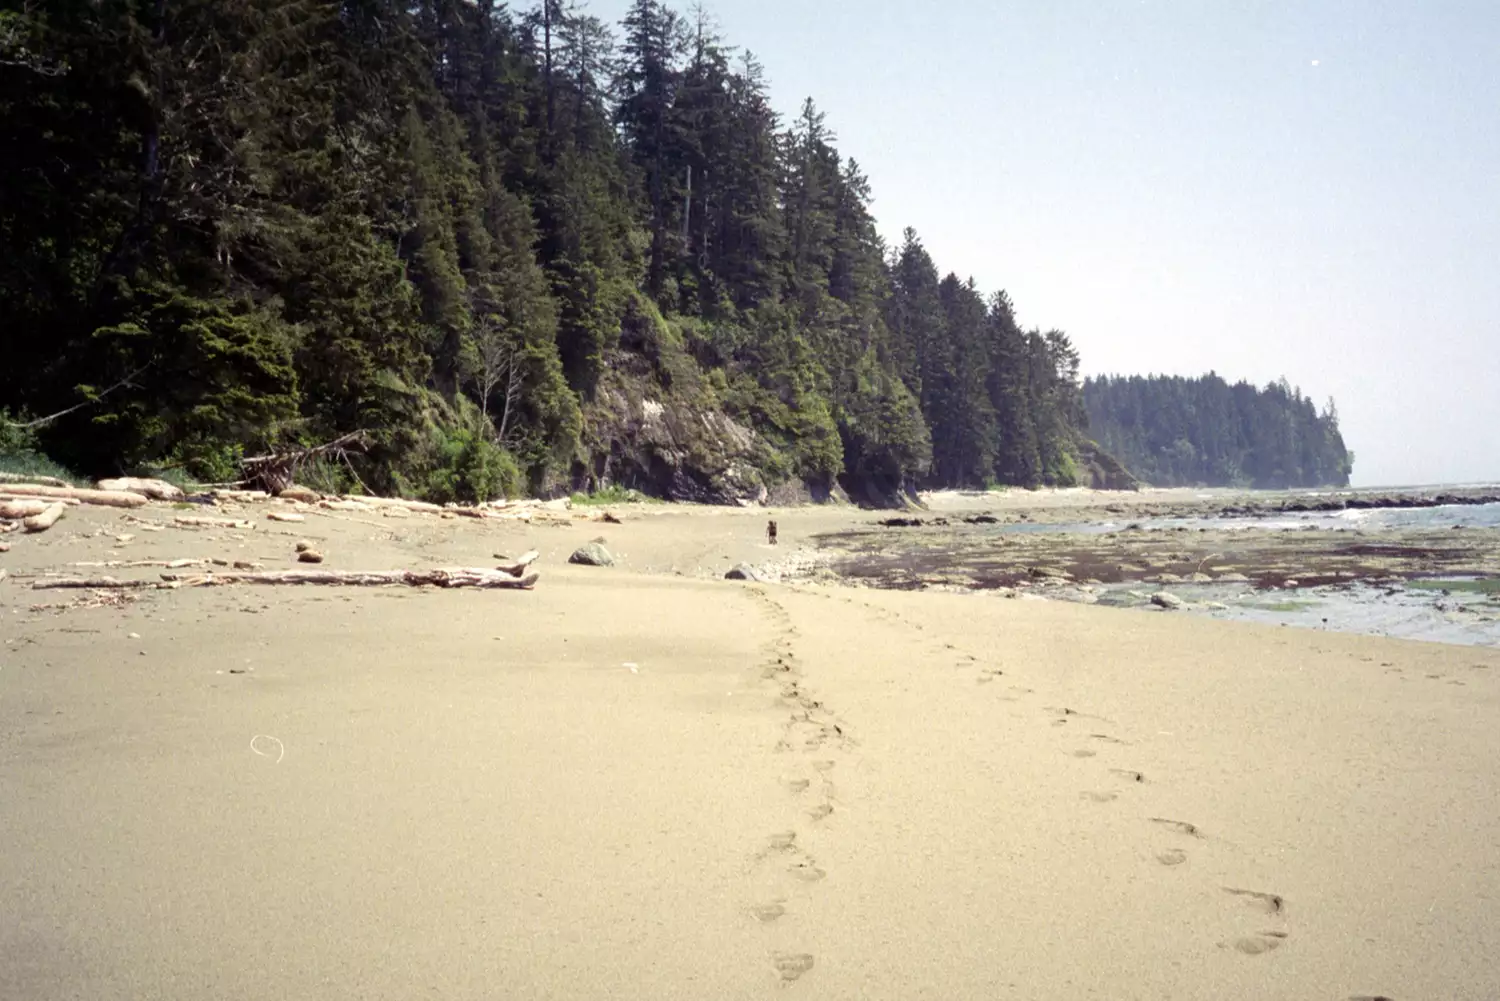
745	571
1167	600
592	555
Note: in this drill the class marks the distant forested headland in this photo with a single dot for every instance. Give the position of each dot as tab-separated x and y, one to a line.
523	250
1172	431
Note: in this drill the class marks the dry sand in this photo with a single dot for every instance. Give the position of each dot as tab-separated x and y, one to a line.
641	783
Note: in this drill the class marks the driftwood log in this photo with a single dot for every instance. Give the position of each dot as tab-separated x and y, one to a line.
105	498
285	516
45	520
90	584
519	565
46	481
154	489
453	577
187	521
14	509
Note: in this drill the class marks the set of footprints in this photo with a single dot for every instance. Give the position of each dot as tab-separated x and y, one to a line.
812	738
1095	740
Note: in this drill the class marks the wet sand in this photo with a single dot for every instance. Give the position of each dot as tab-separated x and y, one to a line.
647	782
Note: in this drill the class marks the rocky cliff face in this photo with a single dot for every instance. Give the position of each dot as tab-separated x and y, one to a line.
645	438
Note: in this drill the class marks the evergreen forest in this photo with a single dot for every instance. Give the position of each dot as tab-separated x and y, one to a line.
1172	431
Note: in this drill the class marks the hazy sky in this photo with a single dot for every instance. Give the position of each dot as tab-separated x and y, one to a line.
1308	188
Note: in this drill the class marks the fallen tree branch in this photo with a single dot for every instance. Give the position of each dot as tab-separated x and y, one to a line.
278	470
456	577
40	421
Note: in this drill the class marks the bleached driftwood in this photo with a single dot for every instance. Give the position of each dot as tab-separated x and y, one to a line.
45	520
286	516
46	481
89	584
241	496
105	498
164	564
344	505
154	489
454	577
13	509
402	502
518	566
187	521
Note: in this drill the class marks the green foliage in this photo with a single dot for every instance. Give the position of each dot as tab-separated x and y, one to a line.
471	469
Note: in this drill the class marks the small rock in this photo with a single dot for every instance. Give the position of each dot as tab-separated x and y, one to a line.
745	571
592	555
309	556
1234	578
134	636
303	545
1167	600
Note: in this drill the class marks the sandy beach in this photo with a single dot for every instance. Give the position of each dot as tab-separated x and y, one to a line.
645	781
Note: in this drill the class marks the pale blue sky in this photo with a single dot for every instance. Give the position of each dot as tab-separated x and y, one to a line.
1308	189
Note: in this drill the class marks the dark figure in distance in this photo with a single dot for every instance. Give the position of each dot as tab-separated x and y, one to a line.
771	532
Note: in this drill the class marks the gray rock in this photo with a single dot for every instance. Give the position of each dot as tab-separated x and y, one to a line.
1200	578
592	555
1167	600
1234	578
745	571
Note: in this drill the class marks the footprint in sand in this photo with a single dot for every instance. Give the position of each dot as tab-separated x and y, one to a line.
797	786
784	841
806	871
1172	856
1099	797
1267	903
766	913
791	965
820	812
1106	738
1257	945
824	766
1180	826
1085	754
